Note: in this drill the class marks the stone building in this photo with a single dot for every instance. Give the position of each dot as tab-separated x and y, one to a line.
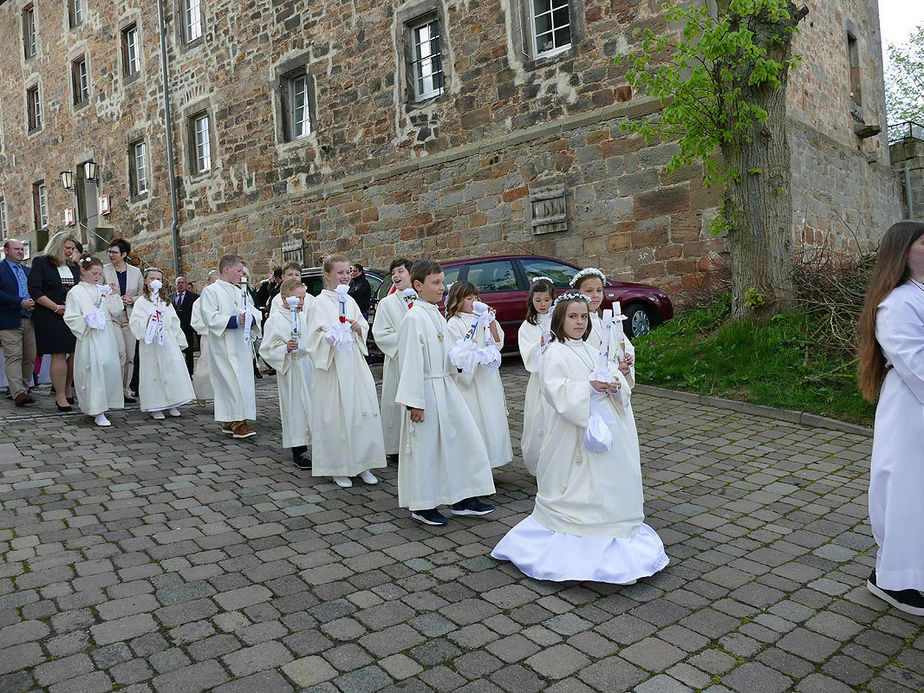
440	128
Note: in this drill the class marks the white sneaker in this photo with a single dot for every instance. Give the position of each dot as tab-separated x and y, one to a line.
173	411
101	420
343	481
368	477
158	415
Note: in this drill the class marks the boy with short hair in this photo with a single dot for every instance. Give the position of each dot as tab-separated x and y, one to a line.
442	459
291	270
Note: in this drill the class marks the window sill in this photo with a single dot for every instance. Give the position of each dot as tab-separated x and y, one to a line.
139	197
80	105
550	58
194	44
33	131
132	78
426	101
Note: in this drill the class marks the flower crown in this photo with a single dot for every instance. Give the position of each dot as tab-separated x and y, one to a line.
586	272
540	278
87	260
152	269
569	296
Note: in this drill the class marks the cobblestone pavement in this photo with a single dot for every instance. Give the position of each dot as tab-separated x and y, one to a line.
163	556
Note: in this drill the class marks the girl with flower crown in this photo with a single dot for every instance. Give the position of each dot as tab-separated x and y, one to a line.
89	309
588	519
533	337
164	382
589	282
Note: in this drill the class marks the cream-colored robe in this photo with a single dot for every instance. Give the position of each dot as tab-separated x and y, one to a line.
345	419
293	375
230	357
163	381
595	339
97	371
388	316
443	459
201	379
581	492
529	339
483	392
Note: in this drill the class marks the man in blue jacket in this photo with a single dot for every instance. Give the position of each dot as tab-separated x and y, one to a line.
17	338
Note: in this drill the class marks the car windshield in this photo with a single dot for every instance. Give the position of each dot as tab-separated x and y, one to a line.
559	273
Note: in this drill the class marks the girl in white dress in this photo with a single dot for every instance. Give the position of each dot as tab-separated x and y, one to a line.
347	431
589	281
588	521
891	364
97	370
533	337
481	388
164	382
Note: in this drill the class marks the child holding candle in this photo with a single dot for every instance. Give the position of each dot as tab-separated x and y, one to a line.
533	337
347	438
588	520
589	282
443	459
164	382
88	312
283	348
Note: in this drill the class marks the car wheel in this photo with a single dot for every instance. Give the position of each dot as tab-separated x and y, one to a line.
640	320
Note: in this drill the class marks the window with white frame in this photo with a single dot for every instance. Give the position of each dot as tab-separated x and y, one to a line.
138	167
2	217
130	57
40	204
76	12
201	148
81	81
34	108
551	27
192	20
426	68
29	40
295	100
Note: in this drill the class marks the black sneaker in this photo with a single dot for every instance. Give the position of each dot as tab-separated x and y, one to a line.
909	601
429	517
303	461
471	506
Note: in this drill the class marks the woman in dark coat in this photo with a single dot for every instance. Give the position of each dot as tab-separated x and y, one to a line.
53	274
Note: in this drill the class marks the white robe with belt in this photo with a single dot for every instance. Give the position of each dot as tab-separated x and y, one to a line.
443	459
97	370
347	431
388	316
896	483
483	392
230	357
163	381
293	375
529	339
201	379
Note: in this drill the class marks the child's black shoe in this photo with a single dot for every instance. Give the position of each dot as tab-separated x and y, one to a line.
471	506
429	517
909	601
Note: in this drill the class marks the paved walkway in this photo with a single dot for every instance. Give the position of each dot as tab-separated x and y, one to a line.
163	556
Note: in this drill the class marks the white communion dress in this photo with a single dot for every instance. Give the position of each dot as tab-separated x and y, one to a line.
163	381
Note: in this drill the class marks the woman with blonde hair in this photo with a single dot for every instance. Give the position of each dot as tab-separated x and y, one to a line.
891	364
53	274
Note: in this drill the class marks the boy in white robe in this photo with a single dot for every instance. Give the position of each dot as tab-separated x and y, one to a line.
388	316
291	270
283	348
200	379
230	317
443	459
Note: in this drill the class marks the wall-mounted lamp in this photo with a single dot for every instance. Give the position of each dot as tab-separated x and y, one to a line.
67	177
89	170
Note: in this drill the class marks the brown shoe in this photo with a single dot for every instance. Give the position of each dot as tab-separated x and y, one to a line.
21	399
228	427
242	430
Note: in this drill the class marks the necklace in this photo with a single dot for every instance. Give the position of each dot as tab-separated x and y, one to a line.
439	331
590	366
918	284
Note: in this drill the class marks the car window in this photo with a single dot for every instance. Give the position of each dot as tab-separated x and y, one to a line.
559	273
451	274
374	283
314	285
497	275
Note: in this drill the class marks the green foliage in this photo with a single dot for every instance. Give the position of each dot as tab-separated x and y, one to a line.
753	299
765	362
904	79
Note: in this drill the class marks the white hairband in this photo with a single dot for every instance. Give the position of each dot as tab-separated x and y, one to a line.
569	296
540	278
587	272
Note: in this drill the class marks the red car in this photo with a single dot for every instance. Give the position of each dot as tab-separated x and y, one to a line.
503	282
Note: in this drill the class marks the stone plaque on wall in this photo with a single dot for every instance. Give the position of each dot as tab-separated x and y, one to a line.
548	208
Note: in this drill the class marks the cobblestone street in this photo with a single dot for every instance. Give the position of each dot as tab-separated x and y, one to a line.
164	556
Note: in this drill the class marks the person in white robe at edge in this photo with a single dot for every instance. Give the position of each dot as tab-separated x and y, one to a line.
89	309
347	438
283	348
481	388
891	364
532	338
442	458
231	321
291	270
589	281
200	379
588	520
164	383
388	316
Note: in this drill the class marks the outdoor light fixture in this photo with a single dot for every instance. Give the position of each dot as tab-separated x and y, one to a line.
89	170
67	177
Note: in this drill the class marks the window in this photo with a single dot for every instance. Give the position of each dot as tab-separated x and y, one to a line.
296	102
192	20
201	149
28	31
2	217
853	57
138	168
75	12
551	20
559	273
130	58
80	81
498	275
34	108
426	66
40	205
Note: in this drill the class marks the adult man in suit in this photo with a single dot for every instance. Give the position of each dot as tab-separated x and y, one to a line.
125	280
17	338
183	299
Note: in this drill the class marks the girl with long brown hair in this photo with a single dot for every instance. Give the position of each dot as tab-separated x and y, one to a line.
891	363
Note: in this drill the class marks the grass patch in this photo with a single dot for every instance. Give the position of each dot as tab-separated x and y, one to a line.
772	363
